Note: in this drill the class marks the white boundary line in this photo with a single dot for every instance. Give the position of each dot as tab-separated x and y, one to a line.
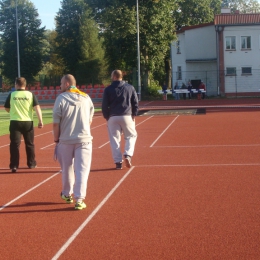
199	165
164	131
23	140
42	148
98	126
207	146
23	194
43	134
136	125
82	226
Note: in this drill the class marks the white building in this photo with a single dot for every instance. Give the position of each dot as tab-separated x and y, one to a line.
225	54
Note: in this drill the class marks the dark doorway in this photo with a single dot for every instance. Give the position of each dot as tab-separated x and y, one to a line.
195	83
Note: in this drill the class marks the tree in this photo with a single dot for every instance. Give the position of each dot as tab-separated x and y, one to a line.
117	19
193	12
78	41
30	39
243	6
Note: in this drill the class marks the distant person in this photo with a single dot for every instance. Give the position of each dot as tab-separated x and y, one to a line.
202	86
21	103
164	88
72	116
189	87
119	108
176	95
183	94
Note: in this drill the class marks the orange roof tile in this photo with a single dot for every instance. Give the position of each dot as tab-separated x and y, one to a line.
237	19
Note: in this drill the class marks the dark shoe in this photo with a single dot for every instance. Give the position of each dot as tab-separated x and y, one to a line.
119	166
32	166
128	161
14	169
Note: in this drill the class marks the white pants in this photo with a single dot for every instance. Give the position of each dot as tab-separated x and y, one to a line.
74	179
116	126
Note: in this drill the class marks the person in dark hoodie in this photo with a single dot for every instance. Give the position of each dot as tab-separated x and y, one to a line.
119	108
72	116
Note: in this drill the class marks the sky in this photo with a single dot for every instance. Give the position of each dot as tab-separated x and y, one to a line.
47	10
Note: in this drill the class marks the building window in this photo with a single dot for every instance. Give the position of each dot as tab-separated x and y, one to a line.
231	71
179	74
178	47
246	71
245	42
230	43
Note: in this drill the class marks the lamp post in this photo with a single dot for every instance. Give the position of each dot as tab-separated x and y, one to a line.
138	51
17	40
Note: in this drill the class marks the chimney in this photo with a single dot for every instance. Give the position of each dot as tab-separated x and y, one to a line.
225	10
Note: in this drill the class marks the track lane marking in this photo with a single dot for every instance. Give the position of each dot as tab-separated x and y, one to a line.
207	146
136	126
23	194
82	226
164	131
42	148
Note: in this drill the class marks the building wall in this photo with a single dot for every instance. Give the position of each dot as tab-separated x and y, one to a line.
200	43
242	58
197	50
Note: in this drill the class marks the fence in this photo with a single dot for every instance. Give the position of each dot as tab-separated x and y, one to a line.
227	83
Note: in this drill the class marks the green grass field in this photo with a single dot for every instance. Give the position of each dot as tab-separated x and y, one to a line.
46	115
4	120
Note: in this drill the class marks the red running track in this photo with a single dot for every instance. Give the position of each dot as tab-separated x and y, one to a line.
193	193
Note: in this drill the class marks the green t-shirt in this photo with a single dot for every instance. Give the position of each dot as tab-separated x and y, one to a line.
21	103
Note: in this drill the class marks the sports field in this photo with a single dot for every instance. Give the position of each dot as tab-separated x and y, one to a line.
192	193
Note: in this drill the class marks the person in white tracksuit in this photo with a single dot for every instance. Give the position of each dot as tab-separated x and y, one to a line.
72	115
119	108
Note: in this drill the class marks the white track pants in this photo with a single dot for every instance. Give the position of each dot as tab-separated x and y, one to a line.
116	126
74	179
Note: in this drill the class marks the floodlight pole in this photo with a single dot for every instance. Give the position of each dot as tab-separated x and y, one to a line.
138	52
17	40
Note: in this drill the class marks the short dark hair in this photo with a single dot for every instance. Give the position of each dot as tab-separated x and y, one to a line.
117	74
21	82
70	78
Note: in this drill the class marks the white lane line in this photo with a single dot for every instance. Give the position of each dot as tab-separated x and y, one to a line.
82	226
47	167
23	140
207	146
43	134
199	165
47	146
136	125
42	148
164	131
148	103
23	194
4	145
98	126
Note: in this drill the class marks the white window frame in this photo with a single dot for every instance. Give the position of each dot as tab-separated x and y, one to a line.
230	38
246	73
229	71
244	40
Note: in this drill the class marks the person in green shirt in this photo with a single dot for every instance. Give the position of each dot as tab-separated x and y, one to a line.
21	104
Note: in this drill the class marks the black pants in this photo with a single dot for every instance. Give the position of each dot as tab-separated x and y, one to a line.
18	129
